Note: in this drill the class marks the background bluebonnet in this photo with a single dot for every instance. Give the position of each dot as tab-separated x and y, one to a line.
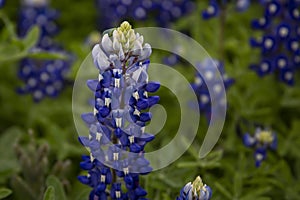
196	190
279	44
210	68
163	12
41	77
261	141
215	7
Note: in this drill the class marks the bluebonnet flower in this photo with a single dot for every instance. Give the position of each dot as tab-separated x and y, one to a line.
215	6
171	60
195	191
117	125
261	142
112	12
2	2
201	89
279	45
170	11
41	77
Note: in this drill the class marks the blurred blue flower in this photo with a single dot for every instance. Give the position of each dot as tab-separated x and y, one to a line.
195	191
261	142
279	45
215	6
41	77
200	87
2	2
112	12
117	126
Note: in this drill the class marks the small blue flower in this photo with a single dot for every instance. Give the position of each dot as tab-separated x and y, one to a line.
261	142
171	60
279	45
195	191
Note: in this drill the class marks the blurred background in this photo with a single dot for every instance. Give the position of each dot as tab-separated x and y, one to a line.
255	45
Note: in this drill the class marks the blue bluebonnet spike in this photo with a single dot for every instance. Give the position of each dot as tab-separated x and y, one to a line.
195	191
261	141
215	6
42	78
117	125
279	43
201	89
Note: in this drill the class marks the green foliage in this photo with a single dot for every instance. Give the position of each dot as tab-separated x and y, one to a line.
4	192
57	187
49	194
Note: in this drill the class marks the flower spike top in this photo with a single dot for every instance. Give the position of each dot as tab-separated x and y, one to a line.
117	124
195	191
124	45
261	142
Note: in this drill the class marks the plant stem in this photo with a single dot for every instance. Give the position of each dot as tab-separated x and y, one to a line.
223	14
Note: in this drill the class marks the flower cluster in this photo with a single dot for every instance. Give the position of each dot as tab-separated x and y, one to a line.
261	142
163	12
215	6
195	191
41	77
117	125
200	87
279	45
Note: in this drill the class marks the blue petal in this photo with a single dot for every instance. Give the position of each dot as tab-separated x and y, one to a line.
88	118
152	86
248	140
142	104
145	117
153	100
92	84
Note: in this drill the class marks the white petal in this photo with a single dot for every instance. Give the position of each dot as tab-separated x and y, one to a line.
102	61
95	50
107	44
146	52
121	54
137	48
116	45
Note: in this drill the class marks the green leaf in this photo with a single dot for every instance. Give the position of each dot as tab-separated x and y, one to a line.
9	163
50	193
224	191
4	192
59	190
255	194
22	190
31	38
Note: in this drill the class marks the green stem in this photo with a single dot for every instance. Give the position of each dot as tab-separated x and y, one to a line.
222	32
